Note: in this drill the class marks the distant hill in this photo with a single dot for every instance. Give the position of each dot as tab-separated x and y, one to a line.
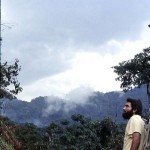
43	110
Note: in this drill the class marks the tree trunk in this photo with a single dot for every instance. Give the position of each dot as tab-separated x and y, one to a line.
148	94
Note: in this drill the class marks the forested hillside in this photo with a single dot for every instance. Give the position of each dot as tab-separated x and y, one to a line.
80	133
51	123
42	110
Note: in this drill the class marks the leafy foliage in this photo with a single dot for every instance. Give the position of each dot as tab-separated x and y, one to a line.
134	72
9	85
8	139
30	136
79	133
4	145
85	134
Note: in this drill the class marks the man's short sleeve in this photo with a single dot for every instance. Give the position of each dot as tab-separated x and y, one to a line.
134	126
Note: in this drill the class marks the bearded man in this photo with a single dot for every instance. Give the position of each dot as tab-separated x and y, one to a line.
134	132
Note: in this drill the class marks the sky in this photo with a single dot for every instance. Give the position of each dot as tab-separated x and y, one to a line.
66	48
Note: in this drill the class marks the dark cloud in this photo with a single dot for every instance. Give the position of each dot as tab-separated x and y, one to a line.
91	22
45	32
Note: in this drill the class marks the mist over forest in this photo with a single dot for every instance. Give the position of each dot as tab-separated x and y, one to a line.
95	105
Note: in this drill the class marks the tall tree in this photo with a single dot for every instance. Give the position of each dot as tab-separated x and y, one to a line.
135	72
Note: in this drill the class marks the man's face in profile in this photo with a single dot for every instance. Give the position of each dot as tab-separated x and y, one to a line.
127	111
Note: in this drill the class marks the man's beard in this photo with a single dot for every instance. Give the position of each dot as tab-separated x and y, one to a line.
127	115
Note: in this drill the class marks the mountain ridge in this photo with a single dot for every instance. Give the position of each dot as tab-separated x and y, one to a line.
43	110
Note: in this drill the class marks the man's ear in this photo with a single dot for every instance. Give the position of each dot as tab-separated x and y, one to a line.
134	111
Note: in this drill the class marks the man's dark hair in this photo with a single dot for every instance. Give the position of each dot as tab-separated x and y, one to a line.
136	104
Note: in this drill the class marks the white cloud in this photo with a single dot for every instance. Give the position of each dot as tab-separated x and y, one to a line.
67	44
53	105
79	95
88	69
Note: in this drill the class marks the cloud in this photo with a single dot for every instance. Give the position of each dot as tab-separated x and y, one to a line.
54	104
88	69
78	96
84	23
66	44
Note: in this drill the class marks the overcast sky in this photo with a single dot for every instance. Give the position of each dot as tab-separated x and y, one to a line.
68	47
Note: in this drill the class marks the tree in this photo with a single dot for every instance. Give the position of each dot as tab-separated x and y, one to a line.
135	72
85	134
30	136
9	85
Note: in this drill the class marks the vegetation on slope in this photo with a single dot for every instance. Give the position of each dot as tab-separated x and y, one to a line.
8	140
77	133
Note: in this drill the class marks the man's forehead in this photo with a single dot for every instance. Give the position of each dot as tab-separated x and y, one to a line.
127	104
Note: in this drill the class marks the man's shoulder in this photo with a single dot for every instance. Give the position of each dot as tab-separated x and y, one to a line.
136	118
